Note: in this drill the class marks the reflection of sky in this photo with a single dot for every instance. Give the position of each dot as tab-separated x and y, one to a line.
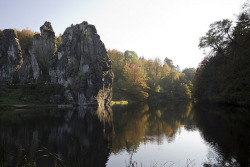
186	147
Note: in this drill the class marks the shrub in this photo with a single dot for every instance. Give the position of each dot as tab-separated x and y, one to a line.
25	39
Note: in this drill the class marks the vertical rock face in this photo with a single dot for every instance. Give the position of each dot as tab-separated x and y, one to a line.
36	65
10	56
82	65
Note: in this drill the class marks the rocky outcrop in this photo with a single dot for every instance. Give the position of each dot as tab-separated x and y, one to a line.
10	56
36	64
82	65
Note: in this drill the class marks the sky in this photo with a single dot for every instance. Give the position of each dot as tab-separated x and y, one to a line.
151	28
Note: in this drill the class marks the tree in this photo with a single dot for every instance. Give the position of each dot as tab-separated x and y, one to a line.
1	34
140	79
189	73
25	39
169	63
118	62
218	36
59	40
131	57
165	70
177	68
184	91
224	74
136	84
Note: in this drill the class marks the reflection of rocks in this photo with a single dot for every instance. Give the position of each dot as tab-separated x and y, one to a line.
77	135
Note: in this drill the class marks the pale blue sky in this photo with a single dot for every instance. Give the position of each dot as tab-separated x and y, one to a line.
152	28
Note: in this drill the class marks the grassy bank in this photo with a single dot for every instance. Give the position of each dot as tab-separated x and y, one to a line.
28	94
119	103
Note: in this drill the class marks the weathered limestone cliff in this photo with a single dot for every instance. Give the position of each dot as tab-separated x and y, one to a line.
35	67
10	56
82	65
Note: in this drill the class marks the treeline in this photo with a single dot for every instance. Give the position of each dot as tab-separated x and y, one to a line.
139	79
224	74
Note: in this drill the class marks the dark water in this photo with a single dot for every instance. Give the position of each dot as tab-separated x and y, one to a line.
171	134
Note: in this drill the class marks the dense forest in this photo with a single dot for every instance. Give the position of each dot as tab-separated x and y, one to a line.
139	79
224	74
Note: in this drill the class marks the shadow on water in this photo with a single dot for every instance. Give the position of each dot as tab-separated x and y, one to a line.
55	137
227	130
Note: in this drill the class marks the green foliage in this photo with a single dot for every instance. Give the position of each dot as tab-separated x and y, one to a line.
135	82
189	73
28	93
119	103
141	79
218	36
1	34
25	39
130	57
184	91
225	75
169	63
59	40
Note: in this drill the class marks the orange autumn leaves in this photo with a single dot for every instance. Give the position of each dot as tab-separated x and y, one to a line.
136	83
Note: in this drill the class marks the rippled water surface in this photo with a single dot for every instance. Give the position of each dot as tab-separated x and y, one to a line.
170	134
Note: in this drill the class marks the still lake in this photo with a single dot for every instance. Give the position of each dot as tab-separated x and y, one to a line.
170	134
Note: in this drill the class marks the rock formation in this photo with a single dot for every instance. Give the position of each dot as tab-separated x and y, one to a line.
36	64
10	56
82	65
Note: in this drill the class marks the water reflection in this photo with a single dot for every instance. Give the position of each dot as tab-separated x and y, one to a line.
80	137
225	133
226	129
141	123
174	133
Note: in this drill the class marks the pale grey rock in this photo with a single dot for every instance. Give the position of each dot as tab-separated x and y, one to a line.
25	73
36	63
82	65
10	56
68	96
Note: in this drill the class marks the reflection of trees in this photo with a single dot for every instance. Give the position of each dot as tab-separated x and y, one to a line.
79	136
129	125
226	129
168	119
141	123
